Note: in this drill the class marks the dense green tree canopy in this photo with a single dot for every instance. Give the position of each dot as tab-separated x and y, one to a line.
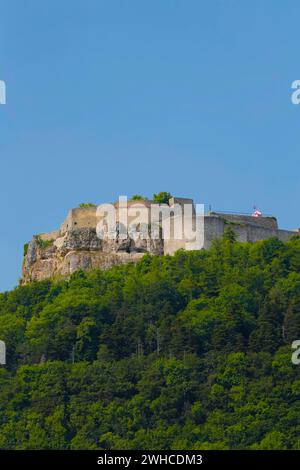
191	351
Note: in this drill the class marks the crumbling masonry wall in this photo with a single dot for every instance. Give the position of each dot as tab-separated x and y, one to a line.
76	245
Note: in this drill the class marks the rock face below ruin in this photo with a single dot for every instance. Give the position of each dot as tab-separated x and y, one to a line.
80	248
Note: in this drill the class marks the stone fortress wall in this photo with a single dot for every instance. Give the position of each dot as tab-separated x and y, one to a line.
76	244
246	228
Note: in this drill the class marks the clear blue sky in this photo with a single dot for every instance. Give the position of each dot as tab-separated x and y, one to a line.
113	97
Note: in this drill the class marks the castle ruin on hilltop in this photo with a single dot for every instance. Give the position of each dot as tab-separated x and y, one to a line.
77	245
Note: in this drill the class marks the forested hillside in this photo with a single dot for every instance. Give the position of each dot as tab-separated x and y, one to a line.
191	351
